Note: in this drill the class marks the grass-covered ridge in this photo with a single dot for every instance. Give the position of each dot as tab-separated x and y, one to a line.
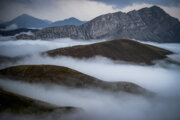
119	49
47	74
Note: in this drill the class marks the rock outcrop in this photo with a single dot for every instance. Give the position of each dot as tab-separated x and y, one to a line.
147	24
49	74
120	49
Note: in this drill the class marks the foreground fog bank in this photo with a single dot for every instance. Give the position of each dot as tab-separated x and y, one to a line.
161	78
99	105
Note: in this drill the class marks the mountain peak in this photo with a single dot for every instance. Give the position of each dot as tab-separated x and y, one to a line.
24	16
155	7
68	21
71	18
27	21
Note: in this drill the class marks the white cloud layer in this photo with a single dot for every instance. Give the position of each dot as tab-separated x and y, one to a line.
162	79
98	105
14	48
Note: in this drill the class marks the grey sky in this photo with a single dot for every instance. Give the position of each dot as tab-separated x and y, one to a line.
82	9
122	3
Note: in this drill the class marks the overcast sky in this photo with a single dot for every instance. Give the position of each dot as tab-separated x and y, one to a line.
82	9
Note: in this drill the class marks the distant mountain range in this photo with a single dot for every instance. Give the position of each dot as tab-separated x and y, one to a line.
27	21
147	24
69	21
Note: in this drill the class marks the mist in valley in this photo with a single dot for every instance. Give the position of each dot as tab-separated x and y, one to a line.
162	78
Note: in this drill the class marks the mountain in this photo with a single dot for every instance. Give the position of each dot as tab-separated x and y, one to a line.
69	21
27	21
50	74
147	24
120	49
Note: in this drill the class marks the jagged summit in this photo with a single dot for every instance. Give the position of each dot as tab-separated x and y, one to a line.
155	7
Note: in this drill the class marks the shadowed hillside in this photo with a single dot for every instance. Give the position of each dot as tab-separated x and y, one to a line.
18	104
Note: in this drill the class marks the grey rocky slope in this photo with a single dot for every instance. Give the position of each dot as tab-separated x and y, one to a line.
147	24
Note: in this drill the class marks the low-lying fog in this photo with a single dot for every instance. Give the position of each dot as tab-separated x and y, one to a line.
161	78
13	48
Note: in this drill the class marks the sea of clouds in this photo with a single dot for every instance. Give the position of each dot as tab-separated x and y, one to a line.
161	78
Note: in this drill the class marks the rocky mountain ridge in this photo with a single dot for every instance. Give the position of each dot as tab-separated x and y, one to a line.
147	24
26	21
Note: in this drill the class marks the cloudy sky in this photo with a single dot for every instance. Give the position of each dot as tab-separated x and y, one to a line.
82	9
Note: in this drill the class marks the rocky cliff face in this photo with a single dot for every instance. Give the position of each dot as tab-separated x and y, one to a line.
147	24
70	31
